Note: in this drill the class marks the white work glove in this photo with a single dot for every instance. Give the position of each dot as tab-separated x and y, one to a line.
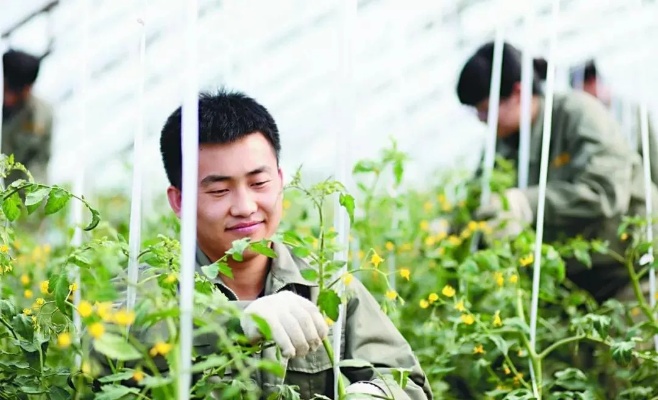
506	221
364	390
296	323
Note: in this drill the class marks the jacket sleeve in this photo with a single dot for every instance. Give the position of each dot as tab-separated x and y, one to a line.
601	166
371	336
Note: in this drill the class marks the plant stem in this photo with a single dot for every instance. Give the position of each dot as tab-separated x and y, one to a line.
638	294
330	353
559	343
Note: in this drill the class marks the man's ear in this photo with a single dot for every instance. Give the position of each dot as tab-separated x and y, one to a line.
516	91
175	198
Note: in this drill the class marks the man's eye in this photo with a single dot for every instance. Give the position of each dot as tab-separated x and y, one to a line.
259	184
221	191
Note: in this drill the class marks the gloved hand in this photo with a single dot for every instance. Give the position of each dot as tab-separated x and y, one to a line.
364	390
506	221
296	323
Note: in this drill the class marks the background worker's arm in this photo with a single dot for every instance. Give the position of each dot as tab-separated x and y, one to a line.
601	166
371	336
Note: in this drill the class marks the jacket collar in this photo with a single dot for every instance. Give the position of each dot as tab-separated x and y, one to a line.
285	270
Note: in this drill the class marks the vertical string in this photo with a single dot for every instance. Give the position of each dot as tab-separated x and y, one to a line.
345	127
543	174
527	72
135	237
190	151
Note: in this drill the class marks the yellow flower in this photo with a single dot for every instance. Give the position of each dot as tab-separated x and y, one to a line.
454	240
424	303
479	349
171	278
391	294
433	297
405	273
25	280
440	236
329	321
472	226
527	260
468	319
85	309
460	306
441	198
514	278
8	268
73	287
624	237
506	370
347	279
390	246
429	241
161	348
27	311
44	287
500	280
424	225
39	302
286	204
138	376
4	248
96	330
46	248
427	206
635	311
376	259
104	310
406	247
28	294
497	321
64	340
448	291
124	317
85	368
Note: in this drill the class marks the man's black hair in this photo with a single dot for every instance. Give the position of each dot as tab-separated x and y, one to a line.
586	72
475	78
224	117
20	69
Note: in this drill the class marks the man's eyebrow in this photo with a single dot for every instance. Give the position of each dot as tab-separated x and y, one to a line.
223	178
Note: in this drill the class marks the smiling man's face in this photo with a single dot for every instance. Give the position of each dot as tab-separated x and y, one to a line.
239	194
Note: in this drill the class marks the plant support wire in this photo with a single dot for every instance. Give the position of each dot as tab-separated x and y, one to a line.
344	102
543	174
135	238
527	74
190	151
492	124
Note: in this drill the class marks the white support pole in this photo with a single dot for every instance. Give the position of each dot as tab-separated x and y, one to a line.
344	103
543	174
3	49
648	185
79	180
134	241
527	74
190	151
492	122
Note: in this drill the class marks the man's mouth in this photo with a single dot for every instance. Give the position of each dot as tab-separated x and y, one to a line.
246	227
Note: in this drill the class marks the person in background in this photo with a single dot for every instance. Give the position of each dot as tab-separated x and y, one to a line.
626	113
594	178
27	120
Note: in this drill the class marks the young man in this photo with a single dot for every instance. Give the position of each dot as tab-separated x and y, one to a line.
26	119
240	190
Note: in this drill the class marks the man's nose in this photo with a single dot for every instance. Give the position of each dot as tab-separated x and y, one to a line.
244	203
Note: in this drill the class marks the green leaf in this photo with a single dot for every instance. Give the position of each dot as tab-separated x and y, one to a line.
398	171
7	309
116	348
238	247
22	325
401	376
57	393
57	200
95	219
347	201
468	267
11	206
571	379
263	326
213	361
36	196
119	376
310	274
500	343
364	166
60	285
272	366
622	352
583	256
263	248
113	392
301	252
328	302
